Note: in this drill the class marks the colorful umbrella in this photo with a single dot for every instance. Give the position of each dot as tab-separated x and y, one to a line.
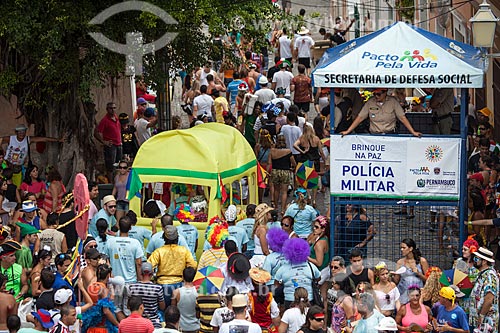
81	199
457	278
208	280
326	142
306	176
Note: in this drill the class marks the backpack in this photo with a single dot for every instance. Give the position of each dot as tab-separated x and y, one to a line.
270	125
249	103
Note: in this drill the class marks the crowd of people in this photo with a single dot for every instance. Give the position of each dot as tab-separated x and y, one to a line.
274	276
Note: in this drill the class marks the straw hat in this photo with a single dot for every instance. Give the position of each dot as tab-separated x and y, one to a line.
107	199
485	254
239	301
303	31
259	275
261	211
485	112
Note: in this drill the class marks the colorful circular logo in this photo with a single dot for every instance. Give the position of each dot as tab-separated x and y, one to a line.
434	153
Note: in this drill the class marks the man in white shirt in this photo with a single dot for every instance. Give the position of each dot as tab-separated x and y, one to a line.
202	73
203	104
291	132
283	79
370	317
239	324
303	45
285	46
264	94
143	125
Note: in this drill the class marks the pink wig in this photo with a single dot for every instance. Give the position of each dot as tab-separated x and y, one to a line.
275	239
296	250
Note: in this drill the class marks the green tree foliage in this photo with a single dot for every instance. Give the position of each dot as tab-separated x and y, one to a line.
49	61
407	9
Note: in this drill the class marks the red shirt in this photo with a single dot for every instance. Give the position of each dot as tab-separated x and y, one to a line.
302	92
110	129
135	324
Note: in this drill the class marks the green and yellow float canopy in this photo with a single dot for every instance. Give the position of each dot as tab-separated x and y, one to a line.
208	155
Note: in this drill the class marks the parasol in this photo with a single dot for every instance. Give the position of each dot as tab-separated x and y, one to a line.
208	280
457	278
81	199
262	176
326	142
306	176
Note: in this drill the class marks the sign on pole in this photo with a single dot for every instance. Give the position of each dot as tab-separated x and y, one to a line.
395	167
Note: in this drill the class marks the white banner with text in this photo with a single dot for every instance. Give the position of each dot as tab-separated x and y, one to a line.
395	167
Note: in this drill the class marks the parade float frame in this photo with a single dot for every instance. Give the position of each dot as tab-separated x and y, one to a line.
209	155
398	56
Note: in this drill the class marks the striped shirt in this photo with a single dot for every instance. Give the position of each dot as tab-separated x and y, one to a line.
152	295
206	305
135	324
212	257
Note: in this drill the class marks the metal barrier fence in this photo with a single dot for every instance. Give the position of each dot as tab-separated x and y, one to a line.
434	226
422	122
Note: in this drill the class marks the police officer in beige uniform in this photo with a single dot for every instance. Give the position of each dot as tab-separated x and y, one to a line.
442	103
382	111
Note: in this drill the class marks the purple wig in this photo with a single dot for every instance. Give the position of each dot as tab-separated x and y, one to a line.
275	239
296	250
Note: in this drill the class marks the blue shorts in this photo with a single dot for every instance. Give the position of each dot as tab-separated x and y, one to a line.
122	205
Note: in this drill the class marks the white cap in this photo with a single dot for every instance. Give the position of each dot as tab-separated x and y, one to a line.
387	324
62	296
117	280
230	213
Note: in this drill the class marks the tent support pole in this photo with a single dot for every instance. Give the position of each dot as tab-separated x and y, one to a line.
332	199
464	110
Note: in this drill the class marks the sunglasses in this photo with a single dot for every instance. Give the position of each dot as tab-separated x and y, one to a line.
122	167
285	225
335	267
388	298
93	247
477	259
413	104
482	128
114	206
318	227
319	319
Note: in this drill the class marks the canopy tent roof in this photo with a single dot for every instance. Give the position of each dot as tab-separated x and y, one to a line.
199	155
401	55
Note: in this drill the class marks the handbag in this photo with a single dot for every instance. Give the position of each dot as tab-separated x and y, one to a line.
317	299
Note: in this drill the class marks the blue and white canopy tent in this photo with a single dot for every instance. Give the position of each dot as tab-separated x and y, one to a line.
401	55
